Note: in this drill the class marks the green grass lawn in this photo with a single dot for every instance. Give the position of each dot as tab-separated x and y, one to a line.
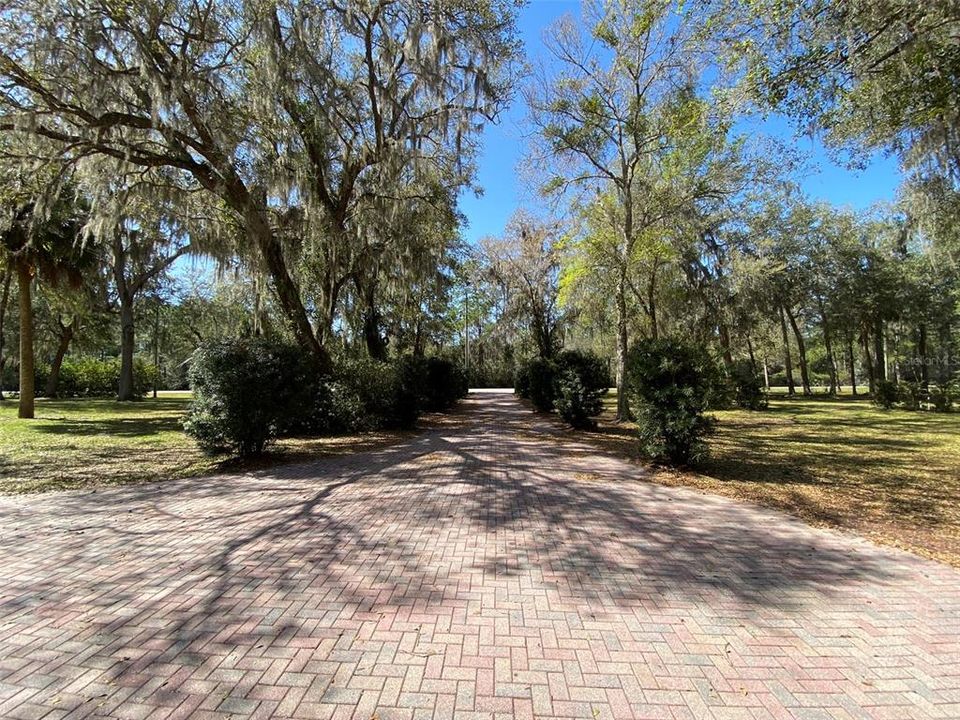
891	475
85	442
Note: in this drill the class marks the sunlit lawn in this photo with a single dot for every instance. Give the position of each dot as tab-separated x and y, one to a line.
891	475
82	442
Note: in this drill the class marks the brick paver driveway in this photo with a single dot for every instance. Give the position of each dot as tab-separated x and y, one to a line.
483	569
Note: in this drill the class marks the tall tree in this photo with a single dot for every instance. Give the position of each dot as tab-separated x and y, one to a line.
608	112
873	74
7	275
140	253
290	113
45	245
526	262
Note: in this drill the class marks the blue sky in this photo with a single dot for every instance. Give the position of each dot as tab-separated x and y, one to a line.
503	146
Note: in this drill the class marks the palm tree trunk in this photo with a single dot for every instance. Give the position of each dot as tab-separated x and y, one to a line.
27	379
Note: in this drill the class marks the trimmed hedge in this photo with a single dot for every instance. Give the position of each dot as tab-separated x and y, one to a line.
445	382
92	377
249	392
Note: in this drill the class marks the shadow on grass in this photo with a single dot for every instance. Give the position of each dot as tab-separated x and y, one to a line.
119	427
836	461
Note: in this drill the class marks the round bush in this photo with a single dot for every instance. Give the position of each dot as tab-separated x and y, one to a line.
670	385
885	394
541	374
581	381
748	390
243	393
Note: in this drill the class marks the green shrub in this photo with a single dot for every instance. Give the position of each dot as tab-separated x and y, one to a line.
324	407
748	390
884	394
409	392
942	397
575	402
670	384
911	395
92	377
445	384
243	393
388	392
248	392
542	376
521	381
581	381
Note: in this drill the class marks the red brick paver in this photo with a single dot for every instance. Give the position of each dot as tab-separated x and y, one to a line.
492	569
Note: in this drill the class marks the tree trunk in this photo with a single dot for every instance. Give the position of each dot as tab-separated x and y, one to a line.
125	389
418	337
623	405
652	304
373	338
945	337
4	298
63	344
828	346
725	344
753	357
27	379
286	289
922	357
766	375
156	349
787	360
871	375
801	352
880	363
851	360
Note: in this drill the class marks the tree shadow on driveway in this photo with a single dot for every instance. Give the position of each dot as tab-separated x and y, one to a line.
164	584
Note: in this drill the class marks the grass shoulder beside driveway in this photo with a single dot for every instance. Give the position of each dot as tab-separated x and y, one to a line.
893	476
79	443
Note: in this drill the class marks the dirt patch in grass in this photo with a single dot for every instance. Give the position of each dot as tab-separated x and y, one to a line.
893	476
82	443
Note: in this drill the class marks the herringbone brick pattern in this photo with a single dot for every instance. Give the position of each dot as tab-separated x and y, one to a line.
491	569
